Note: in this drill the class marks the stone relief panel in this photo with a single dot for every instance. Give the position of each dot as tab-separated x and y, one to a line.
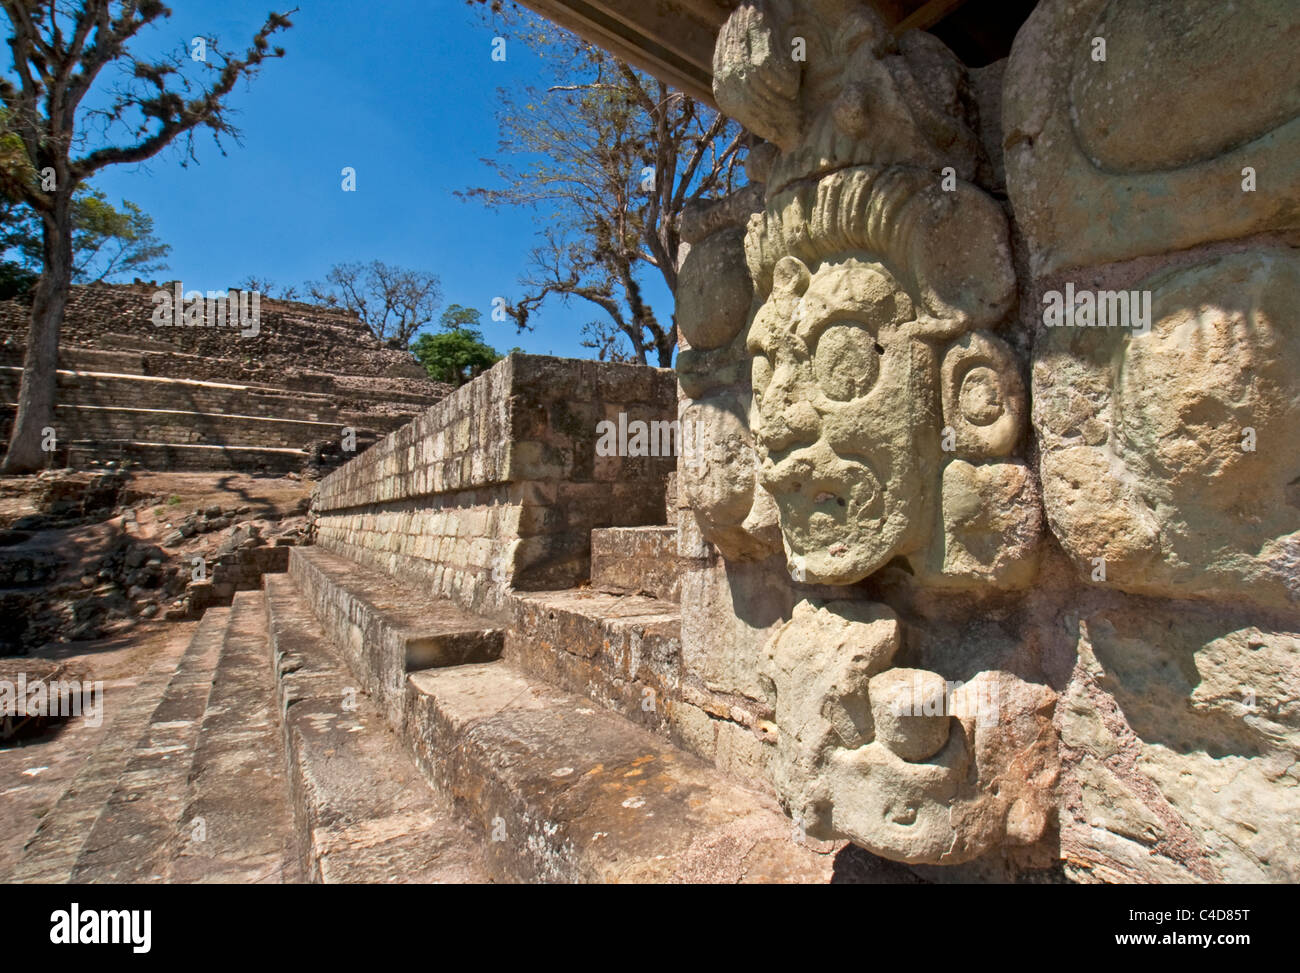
1155	477
1138	147
885	428
1152	161
914	397
1171	458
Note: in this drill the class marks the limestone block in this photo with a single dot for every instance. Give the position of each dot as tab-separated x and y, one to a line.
1172	455
718	468
714	290
1183	737
1091	173
719	479
729	611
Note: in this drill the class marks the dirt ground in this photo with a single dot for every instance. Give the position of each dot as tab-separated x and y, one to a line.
70	568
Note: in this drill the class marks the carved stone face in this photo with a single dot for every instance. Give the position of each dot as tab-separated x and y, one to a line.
841	411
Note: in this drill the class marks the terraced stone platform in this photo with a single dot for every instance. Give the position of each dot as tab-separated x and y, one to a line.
213	399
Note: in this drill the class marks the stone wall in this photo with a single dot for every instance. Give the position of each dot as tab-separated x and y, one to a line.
292	336
501	482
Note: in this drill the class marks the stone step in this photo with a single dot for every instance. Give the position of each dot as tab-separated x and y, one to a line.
563	791
127	390
385	628
132	835
364	813
50	855
623	651
237	825
188	457
636	561
556	785
305	388
94	423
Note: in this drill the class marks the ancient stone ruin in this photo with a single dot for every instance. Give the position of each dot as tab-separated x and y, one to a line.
963	543
276	399
1059	549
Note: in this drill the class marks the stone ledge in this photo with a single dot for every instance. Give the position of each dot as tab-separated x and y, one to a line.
364	814
572	793
236	786
386	628
622	651
186	456
636	560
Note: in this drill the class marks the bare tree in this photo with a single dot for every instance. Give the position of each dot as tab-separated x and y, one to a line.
60	48
394	303
268	288
610	158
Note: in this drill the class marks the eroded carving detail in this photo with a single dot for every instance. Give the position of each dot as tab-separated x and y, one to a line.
1155	461
886	418
713	307
897	759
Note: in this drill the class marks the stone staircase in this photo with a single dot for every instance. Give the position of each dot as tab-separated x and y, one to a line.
203	399
342	726
475	674
533	733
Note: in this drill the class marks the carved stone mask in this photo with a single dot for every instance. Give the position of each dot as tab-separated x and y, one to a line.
837	429
859	300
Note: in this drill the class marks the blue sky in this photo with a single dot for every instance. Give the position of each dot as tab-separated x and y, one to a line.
403	91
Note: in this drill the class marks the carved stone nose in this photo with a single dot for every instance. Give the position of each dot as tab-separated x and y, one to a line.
787	425
910	709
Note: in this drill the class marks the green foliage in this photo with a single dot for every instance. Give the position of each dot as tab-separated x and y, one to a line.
458	353
15	169
15	280
107	242
457	317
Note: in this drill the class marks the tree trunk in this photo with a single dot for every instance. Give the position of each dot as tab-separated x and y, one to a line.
27	441
668	343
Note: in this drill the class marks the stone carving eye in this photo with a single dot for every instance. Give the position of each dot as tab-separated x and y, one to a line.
847	362
980	397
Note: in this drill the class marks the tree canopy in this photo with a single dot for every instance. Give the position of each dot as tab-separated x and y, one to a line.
457	353
60	49
108	243
393	302
609	157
